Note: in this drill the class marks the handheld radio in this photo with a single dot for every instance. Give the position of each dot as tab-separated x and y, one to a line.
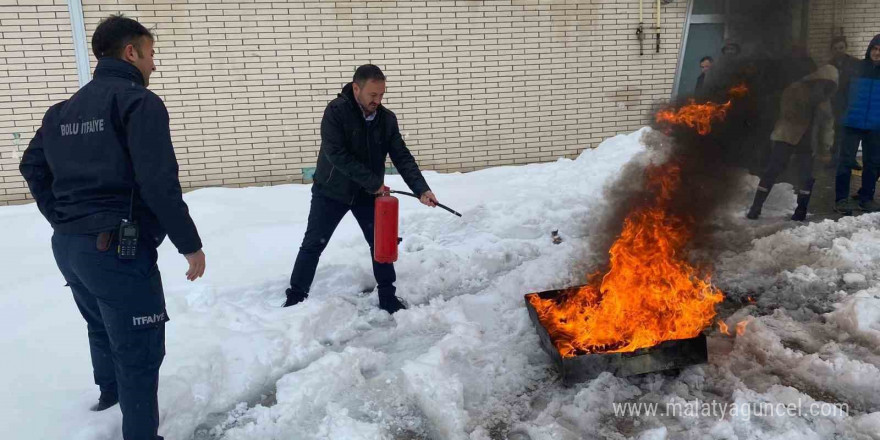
128	235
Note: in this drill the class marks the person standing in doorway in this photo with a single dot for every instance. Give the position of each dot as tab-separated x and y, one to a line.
705	67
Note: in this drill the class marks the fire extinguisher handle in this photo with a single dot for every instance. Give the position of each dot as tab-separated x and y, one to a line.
439	204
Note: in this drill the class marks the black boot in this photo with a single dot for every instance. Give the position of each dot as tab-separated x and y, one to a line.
107	400
800	213
803	200
845	206
760	198
391	303
294	297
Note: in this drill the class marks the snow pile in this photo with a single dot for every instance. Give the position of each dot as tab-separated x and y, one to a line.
859	315
464	361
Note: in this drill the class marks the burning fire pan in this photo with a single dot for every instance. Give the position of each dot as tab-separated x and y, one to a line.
668	355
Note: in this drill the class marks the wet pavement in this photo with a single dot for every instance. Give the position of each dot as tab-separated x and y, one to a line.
822	202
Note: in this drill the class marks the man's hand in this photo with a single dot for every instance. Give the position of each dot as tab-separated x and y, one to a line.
196	262
382	190
428	199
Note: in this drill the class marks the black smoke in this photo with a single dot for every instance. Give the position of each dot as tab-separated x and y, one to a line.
712	166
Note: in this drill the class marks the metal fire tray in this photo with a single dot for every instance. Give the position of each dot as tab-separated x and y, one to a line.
668	355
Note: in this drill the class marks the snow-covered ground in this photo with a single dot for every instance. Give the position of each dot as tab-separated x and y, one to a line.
464	361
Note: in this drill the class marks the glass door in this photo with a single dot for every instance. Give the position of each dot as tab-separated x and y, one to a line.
758	27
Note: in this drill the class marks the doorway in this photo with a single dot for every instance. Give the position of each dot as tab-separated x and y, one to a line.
761	28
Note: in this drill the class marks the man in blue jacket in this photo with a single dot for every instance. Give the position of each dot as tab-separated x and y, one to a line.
357	134
102	170
861	124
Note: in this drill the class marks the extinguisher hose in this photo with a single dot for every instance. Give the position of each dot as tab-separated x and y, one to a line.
439	204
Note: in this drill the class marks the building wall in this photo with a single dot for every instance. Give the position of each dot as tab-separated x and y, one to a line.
37	69
474	83
858	20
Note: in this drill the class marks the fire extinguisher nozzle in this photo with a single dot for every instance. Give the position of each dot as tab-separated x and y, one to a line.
450	210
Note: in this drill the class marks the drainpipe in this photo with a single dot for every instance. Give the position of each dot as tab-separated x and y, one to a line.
658	26
78	28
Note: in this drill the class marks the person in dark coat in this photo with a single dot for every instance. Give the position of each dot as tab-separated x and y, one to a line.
848	66
357	134
705	67
102	170
861	124
804	104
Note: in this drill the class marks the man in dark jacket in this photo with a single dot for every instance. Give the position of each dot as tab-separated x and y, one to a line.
102	170
861	124
357	134
848	66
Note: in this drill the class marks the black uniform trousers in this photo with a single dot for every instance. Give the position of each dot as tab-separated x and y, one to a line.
124	307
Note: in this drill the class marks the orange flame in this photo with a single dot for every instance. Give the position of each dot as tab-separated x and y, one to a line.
697	116
738	91
649	294
741	328
701	116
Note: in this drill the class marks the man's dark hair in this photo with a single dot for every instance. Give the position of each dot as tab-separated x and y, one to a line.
116	32
839	39
706	58
368	72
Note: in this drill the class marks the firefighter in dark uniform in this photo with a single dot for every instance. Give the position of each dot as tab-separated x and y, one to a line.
357	134
102	170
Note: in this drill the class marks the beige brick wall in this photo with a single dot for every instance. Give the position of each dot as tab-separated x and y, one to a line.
37	69
858	20
474	83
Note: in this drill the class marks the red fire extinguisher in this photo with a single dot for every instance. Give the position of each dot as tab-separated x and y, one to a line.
385	239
